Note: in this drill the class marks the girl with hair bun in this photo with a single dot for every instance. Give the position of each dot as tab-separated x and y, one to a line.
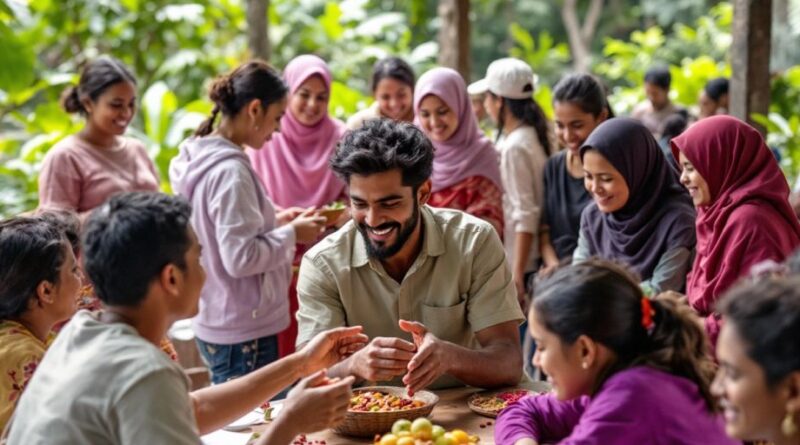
625	369
83	170
248	247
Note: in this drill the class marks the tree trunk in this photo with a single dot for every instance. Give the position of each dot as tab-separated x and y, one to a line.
454	36
581	35
750	54
257	29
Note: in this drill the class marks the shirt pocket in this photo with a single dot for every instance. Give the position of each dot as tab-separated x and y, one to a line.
447	323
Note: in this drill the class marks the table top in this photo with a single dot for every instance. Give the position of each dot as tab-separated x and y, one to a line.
451	412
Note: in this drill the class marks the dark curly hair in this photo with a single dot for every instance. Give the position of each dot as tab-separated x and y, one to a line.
382	145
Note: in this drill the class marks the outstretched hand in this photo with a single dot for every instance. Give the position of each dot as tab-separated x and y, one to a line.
330	347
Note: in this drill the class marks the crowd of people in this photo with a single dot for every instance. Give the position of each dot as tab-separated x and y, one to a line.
644	265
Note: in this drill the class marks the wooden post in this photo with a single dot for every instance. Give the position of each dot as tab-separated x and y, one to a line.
257	29
750	54
454	36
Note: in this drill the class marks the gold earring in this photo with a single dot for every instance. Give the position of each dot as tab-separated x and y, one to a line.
788	427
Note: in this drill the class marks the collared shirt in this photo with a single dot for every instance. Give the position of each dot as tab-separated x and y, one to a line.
459	284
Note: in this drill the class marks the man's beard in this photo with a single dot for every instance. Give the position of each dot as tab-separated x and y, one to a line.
381	251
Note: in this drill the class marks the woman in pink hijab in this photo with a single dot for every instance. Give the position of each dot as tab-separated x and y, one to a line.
743	211
466	172
293	165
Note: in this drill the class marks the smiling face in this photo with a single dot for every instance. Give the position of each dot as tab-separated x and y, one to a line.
438	120
604	182
561	363
386	212
696	184
265	121
751	409
573	125
113	110
394	97
309	103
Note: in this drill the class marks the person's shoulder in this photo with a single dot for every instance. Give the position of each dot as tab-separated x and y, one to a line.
65	148
135	145
458	224
335	247
17	343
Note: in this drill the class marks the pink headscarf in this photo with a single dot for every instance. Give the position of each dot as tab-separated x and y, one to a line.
749	219
293	165
468	152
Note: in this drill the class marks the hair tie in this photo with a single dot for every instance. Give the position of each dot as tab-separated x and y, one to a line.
647	315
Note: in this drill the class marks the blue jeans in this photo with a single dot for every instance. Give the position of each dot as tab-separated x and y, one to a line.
230	361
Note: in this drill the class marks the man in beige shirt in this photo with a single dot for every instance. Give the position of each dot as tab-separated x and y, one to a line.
431	287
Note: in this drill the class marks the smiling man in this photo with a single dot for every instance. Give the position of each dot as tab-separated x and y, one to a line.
430	286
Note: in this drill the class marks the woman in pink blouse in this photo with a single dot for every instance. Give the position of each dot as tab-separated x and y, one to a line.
83	170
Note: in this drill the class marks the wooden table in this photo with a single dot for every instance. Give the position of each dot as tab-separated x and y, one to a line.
451	412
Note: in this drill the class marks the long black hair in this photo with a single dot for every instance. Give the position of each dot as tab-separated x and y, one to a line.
529	113
604	302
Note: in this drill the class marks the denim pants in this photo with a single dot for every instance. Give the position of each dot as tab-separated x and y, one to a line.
230	361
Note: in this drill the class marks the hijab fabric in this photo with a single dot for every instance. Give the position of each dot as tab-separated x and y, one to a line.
749	194
658	216
468	152
293	165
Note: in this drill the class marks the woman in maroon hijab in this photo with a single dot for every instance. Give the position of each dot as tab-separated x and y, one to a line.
743	211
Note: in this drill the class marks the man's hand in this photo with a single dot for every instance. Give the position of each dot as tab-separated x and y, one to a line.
316	403
431	360
330	347
382	359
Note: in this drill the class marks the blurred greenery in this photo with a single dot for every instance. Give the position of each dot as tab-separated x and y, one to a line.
176	47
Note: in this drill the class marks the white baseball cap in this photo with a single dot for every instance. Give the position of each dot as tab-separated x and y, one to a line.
508	77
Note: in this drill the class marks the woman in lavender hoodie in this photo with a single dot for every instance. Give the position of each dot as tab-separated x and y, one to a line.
247	247
625	369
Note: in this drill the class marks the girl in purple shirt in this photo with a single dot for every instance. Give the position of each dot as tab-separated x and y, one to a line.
625	369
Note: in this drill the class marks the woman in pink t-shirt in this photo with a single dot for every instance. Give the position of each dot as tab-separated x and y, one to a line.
85	169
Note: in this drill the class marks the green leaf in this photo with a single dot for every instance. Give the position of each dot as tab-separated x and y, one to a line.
18	61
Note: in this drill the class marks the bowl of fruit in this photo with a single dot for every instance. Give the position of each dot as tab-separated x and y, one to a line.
374	409
332	212
422	432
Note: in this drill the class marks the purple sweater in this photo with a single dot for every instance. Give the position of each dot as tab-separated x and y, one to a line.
636	406
247	257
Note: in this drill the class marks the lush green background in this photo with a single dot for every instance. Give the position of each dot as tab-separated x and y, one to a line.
176	47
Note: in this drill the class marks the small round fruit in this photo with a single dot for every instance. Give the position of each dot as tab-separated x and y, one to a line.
422	428
460	436
401	425
388	439
437	431
445	439
408	440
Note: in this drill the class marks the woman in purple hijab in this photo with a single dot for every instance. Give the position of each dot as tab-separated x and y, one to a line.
641	216
466	167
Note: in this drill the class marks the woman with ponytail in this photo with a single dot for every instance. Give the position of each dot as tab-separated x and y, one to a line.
248	247
625	369
524	146
83	170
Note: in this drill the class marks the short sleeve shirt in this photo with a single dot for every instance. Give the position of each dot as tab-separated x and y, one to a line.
459	284
103	383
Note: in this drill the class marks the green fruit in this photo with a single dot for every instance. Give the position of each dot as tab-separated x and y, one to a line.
422	428
437	431
444	439
401	425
